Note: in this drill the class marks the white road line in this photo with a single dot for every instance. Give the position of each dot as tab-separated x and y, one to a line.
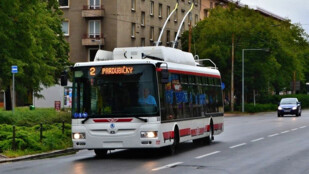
259	139
285	132
202	156
294	129
167	166
273	135
238	145
302	127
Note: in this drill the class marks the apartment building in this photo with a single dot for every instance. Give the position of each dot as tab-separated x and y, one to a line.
207	5
106	24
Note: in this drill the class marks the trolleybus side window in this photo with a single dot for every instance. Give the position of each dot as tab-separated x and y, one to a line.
187	96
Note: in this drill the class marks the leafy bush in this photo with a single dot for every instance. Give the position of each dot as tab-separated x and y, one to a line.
260	107
25	117
275	99
28	138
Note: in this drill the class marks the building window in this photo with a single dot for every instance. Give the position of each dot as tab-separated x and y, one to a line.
151	36
168	11
176	15
195	2
65	28
196	19
143	42
94	4
133	5
151	8
211	5
133	30
143	19
168	33
160	10
94	29
63	3
205	13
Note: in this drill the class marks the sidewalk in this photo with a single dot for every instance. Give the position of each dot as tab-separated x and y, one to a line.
4	159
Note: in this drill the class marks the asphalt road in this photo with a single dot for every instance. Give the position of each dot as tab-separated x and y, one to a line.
260	143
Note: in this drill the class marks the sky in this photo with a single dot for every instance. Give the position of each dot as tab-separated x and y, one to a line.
295	10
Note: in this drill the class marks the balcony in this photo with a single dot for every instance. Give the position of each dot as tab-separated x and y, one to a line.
93	11
93	40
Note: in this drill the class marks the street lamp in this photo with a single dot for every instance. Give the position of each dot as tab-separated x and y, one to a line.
243	74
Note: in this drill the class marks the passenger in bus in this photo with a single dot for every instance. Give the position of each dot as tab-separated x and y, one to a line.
147	99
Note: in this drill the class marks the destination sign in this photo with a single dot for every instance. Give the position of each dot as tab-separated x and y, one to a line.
117	70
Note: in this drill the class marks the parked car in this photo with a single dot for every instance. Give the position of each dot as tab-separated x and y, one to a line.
289	106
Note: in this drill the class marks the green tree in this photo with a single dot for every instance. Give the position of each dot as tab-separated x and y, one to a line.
31	38
264	71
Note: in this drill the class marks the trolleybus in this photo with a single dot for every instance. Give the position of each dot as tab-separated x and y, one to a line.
144	97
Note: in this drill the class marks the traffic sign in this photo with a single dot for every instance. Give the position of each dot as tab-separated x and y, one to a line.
14	69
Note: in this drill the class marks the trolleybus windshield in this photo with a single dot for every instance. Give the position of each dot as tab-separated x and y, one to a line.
115	91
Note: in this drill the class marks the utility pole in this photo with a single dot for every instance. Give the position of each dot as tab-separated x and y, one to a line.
294	82
232	75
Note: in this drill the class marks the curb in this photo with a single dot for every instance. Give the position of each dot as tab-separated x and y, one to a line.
41	155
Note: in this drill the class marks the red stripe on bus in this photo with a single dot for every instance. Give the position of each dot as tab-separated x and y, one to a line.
168	135
190	73
184	132
193	132
218	126
112	120
208	128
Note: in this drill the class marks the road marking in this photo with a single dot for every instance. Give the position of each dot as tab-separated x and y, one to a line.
212	153
259	139
167	166
294	129
285	132
238	145
273	135
302	127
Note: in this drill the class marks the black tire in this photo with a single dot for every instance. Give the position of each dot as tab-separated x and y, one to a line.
101	153
172	148
208	140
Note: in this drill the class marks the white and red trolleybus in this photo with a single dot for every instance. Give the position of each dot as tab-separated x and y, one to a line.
144	97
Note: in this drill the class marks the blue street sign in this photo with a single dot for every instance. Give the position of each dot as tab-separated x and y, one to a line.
14	69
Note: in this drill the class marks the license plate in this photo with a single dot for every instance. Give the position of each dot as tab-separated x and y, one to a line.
287	110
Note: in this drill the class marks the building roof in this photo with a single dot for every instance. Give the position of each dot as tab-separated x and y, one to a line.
256	8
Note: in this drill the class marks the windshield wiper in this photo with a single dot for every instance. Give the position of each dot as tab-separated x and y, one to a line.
87	118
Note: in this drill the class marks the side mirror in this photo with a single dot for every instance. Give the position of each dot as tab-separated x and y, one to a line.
164	76
64	78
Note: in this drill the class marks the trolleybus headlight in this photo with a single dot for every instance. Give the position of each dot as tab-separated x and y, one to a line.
150	134
78	136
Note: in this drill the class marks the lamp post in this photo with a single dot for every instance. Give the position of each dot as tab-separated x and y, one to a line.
243	75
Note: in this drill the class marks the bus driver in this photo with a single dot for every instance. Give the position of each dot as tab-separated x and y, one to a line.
147	98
